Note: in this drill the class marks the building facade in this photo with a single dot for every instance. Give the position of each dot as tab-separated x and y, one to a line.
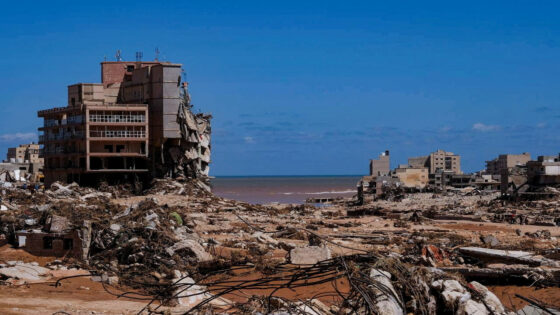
506	161
412	177
24	153
437	162
442	161
544	171
381	166
127	125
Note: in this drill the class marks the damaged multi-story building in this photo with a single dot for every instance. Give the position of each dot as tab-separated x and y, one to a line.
438	161
442	166
544	171
506	161
23	163
136	124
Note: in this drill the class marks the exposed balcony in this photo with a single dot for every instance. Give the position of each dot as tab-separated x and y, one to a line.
117	134
117	118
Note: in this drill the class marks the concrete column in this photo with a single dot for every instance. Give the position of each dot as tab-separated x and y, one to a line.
87	139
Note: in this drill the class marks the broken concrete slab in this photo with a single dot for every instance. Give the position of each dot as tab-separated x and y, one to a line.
508	256
387	298
24	271
193	246
309	255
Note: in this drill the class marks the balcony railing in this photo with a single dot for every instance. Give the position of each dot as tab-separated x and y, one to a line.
117	134
61	150
62	136
117	118
70	120
51	123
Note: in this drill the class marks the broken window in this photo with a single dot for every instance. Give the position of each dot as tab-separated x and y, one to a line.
68	243
47	242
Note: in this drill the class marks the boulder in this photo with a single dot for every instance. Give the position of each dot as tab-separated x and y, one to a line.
490	240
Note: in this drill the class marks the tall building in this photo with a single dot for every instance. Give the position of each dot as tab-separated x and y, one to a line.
438	162
137	121
442	161
506	161
381	166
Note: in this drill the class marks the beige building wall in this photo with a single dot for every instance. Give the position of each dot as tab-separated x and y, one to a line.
25	152
381	166
413	177
506	161
419	162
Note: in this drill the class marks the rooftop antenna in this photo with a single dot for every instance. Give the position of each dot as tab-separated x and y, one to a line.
157	54
139	55
105	58
118	55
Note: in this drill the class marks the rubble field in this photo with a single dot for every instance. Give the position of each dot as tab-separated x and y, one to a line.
177	248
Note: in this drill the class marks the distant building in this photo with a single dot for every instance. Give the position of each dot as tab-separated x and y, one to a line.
381	166
412	177
420	161
438	161
24	153
506	161
22	163
445	161
544	171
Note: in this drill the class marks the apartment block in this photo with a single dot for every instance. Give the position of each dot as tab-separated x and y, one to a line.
129	124
437	162
24	153
544	171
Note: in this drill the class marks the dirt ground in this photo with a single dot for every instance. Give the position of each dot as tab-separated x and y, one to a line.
548	296
75	296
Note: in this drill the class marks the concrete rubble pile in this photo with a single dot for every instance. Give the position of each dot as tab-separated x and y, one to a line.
190	157
187	248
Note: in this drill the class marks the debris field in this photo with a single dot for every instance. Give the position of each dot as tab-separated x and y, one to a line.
177	248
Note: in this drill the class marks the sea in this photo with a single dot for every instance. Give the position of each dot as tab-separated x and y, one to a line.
283	189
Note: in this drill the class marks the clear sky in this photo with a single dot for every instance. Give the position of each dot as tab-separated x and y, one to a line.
309	87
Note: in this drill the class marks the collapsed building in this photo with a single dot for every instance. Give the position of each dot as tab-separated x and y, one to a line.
506	161
23	163
134	125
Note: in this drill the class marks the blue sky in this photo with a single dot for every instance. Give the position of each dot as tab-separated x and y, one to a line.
309	87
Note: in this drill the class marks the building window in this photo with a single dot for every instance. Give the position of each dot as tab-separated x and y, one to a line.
47	242
68	243
129	68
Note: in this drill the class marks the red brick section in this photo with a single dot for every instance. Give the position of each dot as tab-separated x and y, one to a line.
35	244
115	71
